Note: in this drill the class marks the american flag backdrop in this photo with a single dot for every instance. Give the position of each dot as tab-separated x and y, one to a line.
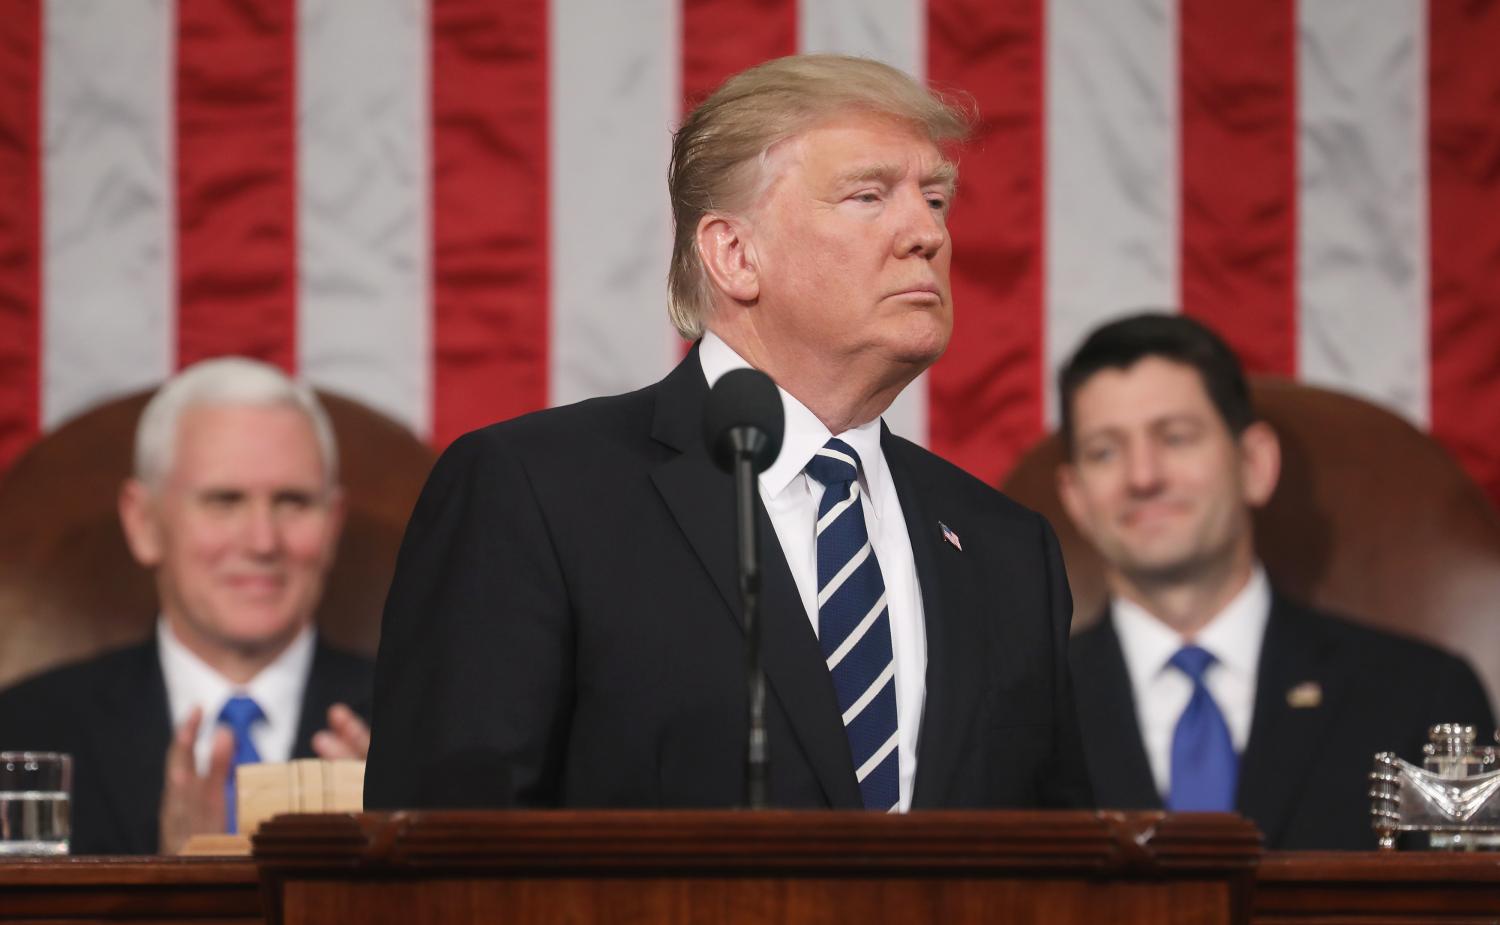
455	210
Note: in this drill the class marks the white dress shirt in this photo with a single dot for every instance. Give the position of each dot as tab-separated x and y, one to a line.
1162	692
791	499
278	689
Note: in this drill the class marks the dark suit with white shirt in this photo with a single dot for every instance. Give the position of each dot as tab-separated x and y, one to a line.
564	630
111	714
1329	695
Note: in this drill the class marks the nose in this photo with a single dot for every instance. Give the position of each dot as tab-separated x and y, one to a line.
262	534
923	231
1143	468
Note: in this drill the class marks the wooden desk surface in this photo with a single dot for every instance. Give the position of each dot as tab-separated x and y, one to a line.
1305	888
142	890
1355	888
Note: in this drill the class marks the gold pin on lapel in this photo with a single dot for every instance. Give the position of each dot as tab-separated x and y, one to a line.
1305	696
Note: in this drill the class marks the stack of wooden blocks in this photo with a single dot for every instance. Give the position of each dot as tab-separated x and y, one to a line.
308	785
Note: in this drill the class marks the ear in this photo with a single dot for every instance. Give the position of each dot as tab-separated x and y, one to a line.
1260	463
724	248
1071	494
138	518
338	509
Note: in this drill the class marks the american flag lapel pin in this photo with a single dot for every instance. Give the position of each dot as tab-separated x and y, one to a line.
950	537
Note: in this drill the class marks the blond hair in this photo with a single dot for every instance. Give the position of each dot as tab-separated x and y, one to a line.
718	153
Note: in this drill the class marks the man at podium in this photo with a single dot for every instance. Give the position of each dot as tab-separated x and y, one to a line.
563	626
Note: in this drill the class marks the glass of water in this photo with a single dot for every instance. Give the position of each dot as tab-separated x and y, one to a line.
34	788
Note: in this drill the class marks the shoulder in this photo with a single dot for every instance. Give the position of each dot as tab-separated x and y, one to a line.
1391	666
568	442
74	677
1394	675
958	487
593	422
57	699
1366	643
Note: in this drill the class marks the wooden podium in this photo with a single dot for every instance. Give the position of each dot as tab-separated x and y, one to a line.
732	867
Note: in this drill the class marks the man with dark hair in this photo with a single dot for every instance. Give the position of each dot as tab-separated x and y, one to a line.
1202	688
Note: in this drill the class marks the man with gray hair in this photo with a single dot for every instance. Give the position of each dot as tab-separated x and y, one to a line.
564	628
236	509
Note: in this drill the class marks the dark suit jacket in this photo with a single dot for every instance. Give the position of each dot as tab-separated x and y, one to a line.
564	630
1304	773
110	713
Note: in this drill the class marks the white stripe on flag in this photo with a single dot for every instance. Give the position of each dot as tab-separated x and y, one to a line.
364	313
1362	233
615	79
1112	168
893	31
108	271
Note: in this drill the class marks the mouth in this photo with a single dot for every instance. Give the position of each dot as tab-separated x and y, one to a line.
256	585
925	292
1146	515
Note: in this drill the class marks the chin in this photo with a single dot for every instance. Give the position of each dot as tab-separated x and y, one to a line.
1164	569
922	347
257	633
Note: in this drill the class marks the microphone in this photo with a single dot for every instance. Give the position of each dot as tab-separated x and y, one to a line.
743	416
743	425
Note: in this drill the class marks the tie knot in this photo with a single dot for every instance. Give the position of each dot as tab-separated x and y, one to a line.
835	463
1192	661
240	713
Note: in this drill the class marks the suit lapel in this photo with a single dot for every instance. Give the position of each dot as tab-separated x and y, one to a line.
1118	766
955	673
1284	739
131	745
701	499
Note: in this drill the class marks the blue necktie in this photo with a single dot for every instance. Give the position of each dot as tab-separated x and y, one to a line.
854	626
239	714
1205	768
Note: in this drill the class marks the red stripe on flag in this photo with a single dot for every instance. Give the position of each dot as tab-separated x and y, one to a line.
237	180
723	37
985	394
20	226
490	207
1239	175
1463	157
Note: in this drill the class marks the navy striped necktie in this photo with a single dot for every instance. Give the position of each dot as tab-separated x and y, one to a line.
854	626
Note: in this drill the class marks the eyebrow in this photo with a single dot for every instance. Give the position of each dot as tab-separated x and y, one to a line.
944	174
1114	431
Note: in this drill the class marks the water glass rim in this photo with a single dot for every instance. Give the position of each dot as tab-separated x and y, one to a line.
28	755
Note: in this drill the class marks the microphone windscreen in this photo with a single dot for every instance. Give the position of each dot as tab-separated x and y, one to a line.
743	411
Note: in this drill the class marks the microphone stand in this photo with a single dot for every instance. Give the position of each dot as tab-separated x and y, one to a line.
747	441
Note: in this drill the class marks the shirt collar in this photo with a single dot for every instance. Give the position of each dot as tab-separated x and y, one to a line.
1233	636
192	682
804	434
